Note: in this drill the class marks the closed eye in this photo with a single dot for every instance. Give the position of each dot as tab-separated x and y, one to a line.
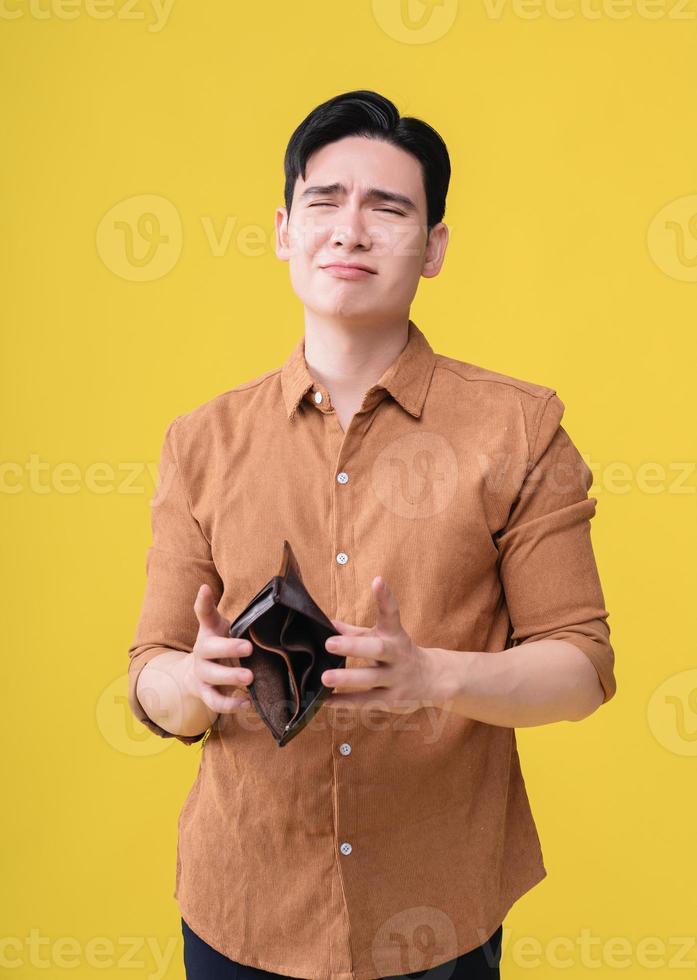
326	204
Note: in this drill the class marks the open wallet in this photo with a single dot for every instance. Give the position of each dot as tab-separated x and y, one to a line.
287	630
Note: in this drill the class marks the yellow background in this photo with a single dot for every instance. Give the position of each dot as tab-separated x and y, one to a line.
569	134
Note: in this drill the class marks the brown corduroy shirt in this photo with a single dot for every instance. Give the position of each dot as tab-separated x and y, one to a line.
384	843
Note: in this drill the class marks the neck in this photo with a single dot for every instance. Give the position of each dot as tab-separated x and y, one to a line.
348	358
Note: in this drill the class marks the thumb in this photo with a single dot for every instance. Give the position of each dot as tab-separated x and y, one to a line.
209	619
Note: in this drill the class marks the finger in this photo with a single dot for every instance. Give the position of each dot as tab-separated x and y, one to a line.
223	704
210	620
370	647
222	647
388	608
349	628
210	672
356	679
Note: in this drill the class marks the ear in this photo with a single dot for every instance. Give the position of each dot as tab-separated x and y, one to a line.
435	250
282	239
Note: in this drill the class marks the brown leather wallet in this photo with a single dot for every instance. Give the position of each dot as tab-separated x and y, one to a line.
287	630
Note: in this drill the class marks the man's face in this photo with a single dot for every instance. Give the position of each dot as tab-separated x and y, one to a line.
350	224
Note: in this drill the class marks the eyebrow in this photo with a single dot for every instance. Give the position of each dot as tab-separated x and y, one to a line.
372	194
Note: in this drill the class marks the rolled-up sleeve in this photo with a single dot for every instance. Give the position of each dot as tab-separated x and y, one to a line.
177	564
546	560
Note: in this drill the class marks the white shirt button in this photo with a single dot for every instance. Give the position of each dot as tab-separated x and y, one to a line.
342	558
342	477
345	748
318	397
346	848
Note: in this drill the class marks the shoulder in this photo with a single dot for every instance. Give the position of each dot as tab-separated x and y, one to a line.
494	387
502	398
228	404
490	382
211	427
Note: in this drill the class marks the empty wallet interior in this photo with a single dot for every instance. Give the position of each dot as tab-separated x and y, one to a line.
287	662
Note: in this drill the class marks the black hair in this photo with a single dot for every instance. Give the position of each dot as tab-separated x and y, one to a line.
366	113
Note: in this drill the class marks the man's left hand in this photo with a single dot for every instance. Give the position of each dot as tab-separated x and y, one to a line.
404	676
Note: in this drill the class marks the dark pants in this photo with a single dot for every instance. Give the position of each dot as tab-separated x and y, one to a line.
202	962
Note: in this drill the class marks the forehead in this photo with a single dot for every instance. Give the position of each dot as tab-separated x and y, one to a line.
359	162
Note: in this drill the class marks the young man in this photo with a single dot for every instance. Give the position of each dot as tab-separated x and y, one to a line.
440	512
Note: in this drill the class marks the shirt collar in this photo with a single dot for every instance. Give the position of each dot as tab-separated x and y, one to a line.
407	379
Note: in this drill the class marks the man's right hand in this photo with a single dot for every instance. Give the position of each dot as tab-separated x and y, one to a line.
220	687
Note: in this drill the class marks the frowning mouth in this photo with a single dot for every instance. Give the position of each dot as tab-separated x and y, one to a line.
348	270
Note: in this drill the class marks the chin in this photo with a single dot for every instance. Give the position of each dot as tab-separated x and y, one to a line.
356	311
338	304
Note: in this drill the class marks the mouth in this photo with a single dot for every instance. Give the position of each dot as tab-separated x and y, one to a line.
348	271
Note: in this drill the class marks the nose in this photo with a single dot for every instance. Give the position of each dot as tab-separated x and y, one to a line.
351	229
